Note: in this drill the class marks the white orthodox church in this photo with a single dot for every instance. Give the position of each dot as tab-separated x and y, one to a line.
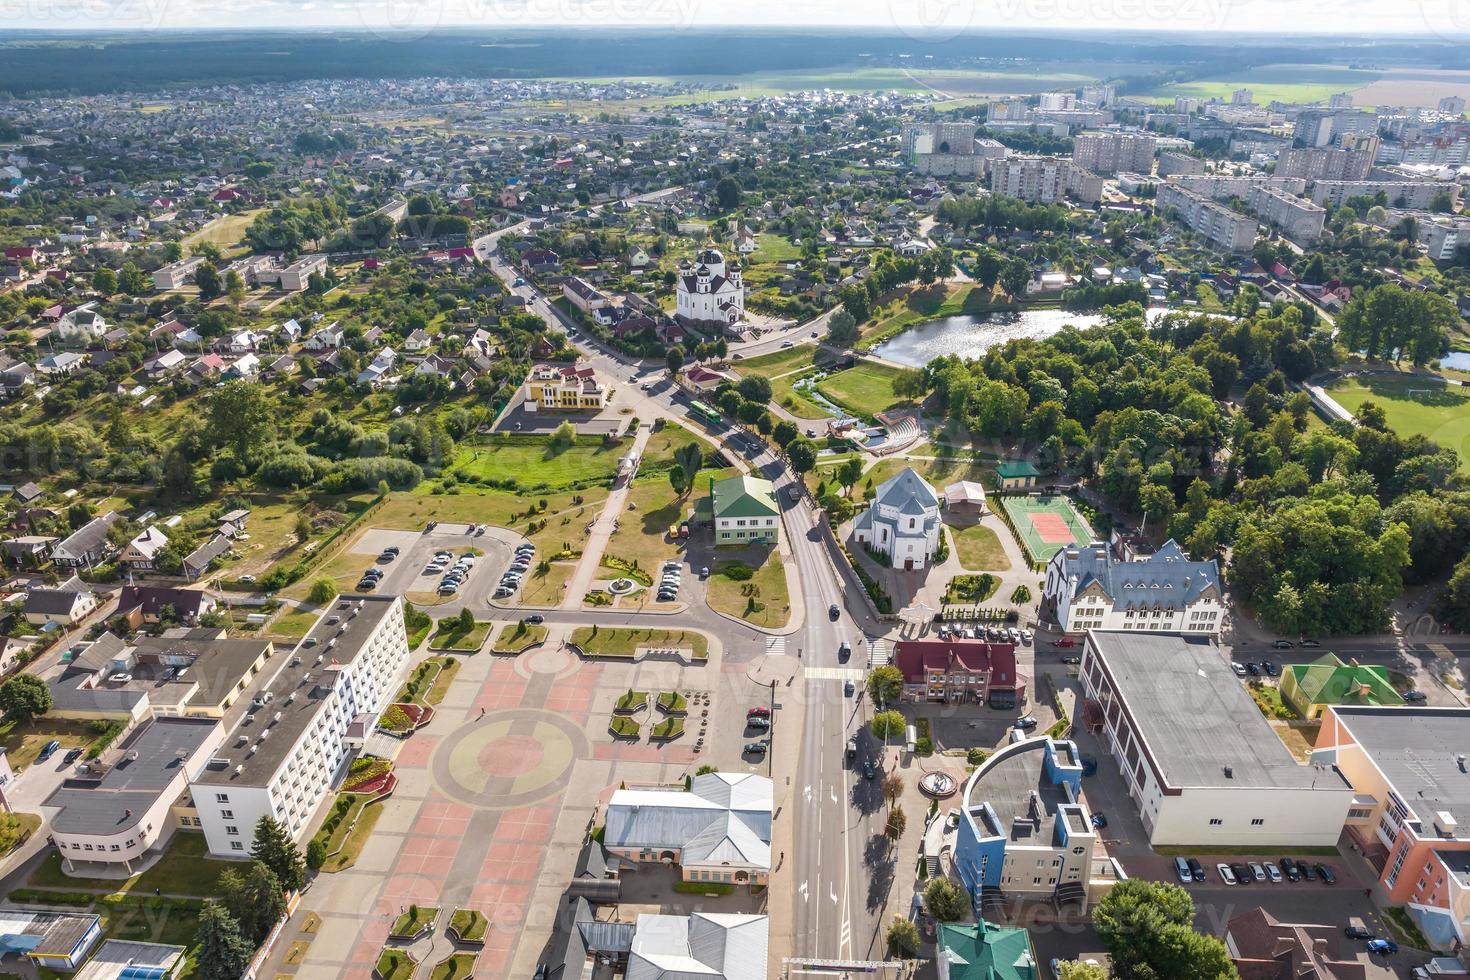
708	291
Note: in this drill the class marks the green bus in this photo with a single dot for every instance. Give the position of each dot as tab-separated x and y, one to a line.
705	414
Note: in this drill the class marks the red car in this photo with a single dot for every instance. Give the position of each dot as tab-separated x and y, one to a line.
1065	641
758	713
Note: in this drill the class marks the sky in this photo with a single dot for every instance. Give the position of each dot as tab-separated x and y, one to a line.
941	17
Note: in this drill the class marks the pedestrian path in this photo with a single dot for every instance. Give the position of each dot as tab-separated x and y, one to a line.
878	653
601	530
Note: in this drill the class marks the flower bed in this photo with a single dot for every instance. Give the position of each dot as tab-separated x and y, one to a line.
673	703
402	718
667	730
468	926
394	964
368	775
631	702
624	727
459	966
417	922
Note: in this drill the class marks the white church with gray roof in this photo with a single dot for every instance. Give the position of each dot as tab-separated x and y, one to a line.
902	521
1121	584
708	291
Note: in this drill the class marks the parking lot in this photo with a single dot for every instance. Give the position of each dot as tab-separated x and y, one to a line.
407	574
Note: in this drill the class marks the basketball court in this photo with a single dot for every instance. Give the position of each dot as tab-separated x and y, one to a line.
1045	525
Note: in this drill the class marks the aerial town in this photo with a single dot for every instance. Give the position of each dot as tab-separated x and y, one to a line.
891	522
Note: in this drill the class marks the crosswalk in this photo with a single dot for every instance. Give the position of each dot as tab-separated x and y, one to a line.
878	653
834	674
775	646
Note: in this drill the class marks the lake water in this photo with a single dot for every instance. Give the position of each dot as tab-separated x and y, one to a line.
971	335
1456	360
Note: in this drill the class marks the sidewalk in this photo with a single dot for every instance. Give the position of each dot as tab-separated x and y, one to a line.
602	531
791	722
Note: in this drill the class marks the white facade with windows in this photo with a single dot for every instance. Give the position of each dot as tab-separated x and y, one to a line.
1107	586
285	755
708	291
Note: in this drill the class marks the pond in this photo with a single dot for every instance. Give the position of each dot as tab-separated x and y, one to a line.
1456	360
971	335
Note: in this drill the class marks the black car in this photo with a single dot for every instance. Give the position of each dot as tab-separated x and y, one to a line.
1308	871
758	723
1242	873
755	748
1311	644
1289	868
72	756
1328	875
535	618
1196	870
1253	668
1417	697
1282	644
1271	669
1356	932
833	612
869	770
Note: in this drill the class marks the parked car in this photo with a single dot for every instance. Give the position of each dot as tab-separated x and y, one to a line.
1181	870
1289	868
1383	947
1064	643
1253	668
1071	661
833	612
1273	873
1328	875
755	748
1226	875
1271	669
1356	932
758	712
1258	871
1309	872
1311	644
1242	873
758	723
1026	724
1282	644
1196	869
48	750
503	592
1089	766
1238	667
72	756
1415	697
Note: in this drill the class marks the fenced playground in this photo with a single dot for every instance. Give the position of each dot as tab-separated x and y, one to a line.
1045	525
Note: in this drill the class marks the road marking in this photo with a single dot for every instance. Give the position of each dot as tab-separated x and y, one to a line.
853	674
833	792
832	893
802	891
807	792
776	646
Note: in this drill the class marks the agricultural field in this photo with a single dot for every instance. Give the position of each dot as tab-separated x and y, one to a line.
1280	83
1414	406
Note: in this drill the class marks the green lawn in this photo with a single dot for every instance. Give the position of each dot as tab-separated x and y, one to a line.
514	639
623	642
293	624
783	369
450	637
395	964
454	967
979	549
921	303
185	869
410	922
760	600
1440	413
1281	83
23	742
419	689
469	923
774	248
535	466
865	389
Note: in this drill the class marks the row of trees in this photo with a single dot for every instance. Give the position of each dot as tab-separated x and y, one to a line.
252	900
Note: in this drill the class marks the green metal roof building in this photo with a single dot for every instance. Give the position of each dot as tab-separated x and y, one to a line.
742	509
1011	474
984	951
1309	688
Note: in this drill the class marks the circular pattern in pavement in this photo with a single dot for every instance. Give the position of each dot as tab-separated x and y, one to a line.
510	758
546	660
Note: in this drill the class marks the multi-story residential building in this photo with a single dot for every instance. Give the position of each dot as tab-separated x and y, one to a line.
285	754
1101	96
717	830
1442	234
1411	815
1172	162
1214	223
121	808
1110	153
1351	161
1024	830
1224	187
1414	194
297	276
1057	101
1242	96
902	521
1342	100
175	274
944	149
1296	217
742	510
1319	127
707	291
565	388
960	672
1452	104
1203	765
1042	180
1116	586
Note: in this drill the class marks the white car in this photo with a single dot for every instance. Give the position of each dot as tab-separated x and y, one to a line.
1238	667
1226	875
1257	871
1274	873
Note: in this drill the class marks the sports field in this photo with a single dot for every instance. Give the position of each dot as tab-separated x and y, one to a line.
1414	406
1045	525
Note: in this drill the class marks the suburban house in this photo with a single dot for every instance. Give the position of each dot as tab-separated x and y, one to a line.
960	672
82	326
741	509
1265	948
1024	830
64	605
1411	815
196	563
583	295
902	521
1115	586
565	388
149	603
140	553
982	950
717	830
1015	475
1309	688
27	551
1203	765
703	379
88	545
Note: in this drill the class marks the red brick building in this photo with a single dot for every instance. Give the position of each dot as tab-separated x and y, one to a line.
960	672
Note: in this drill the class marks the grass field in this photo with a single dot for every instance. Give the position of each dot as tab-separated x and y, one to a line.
979	549
620	642
864	390
534	465
23	742
774	248
923	303
516	638
1280	83
783	368
1036	544
184	869
1440	413
761	600
226	231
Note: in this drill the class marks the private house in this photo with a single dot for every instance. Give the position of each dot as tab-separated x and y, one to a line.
708	945
64	363
1015	475
1265	948
141	552
717	830
381	368
960	672
703	379
197	562
27	551
1203	765
64	605
88	545
327	338
1411	815
82	326
540	260
149	604
565	388
121	813
1308	689
1116	586
1024	831
708	292
583	295
902	522
982	950
741	509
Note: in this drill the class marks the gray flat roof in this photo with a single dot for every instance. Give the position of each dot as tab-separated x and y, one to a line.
337	636
163	747
1418	750
1008	787
218	664
1196	718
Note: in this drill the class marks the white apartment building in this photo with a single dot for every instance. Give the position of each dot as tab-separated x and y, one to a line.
1352	161
297	276
1296	217
1057	101
285	754
1416	195
1172	163
175	274
1215	223
1203	765
1043	180
1223	187
1443	234
1111	586
1109	153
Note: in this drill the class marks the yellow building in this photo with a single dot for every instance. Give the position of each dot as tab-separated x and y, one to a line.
565	388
